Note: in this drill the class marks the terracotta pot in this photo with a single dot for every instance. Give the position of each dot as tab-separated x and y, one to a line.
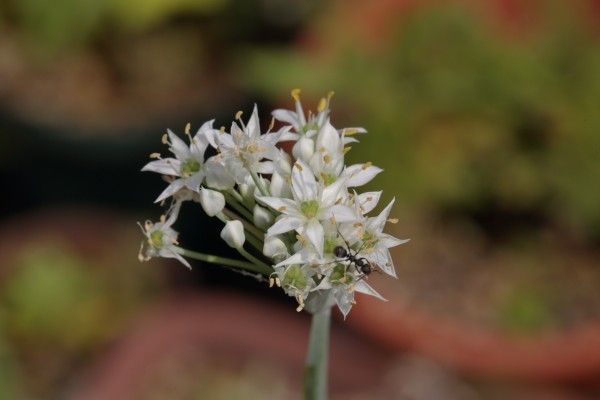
570	356
227	326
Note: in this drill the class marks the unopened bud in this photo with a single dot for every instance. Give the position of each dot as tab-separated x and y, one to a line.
304	149
212	201
233	234
262	217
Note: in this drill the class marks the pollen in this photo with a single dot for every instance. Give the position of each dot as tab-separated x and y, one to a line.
322	105
272	124
295	93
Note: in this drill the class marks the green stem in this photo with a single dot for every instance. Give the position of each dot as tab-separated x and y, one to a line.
230	262
259	183
315	369
239	207
254	260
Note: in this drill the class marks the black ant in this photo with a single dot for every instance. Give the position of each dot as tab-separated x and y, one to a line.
361	264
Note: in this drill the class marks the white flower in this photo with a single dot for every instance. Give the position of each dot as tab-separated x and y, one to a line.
187	166
212	202
245	150
311	204
233	234
161	239
375	244
298	121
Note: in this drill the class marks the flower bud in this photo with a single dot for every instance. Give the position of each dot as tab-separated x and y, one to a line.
304	149
279	187
274	247
247	192
212	201
233	234
262	217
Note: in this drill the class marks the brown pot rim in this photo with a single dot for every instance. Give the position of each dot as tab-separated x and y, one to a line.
572	355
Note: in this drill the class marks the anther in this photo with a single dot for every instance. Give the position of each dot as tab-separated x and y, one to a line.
295	94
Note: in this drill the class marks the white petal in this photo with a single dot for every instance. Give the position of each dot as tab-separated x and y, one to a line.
301	257
368	201
217	176
378	222
166	166
285	224
360	174
253	125
168	253
178	146
389	241
287	116
173	188
265	167
364	287
285	206
331	193
304	184
314	231
328	139
225	140
340	213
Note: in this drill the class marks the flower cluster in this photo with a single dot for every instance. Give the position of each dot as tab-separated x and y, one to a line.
297	218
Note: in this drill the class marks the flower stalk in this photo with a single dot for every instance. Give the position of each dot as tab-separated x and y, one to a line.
317	356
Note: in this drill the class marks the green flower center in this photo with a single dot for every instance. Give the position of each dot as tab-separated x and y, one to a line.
369	240
328	179
156	239
329	244
311	126
189	167
294	277
340	275
309	208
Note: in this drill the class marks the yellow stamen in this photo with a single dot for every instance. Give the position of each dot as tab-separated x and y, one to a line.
393	220
238	114
155	155
367	165
271	282
272	124
347	149
322	105
350	131
295	94
165	139
188	127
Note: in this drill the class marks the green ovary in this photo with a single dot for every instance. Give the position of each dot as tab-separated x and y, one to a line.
156	239
369	240
189	167
328	179
294	277
340	275
309	208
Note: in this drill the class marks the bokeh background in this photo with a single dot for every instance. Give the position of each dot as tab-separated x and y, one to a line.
485	116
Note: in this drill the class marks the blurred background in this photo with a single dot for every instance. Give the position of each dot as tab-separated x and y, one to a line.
485	116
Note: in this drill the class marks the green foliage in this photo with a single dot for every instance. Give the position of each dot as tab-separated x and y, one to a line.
461	118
